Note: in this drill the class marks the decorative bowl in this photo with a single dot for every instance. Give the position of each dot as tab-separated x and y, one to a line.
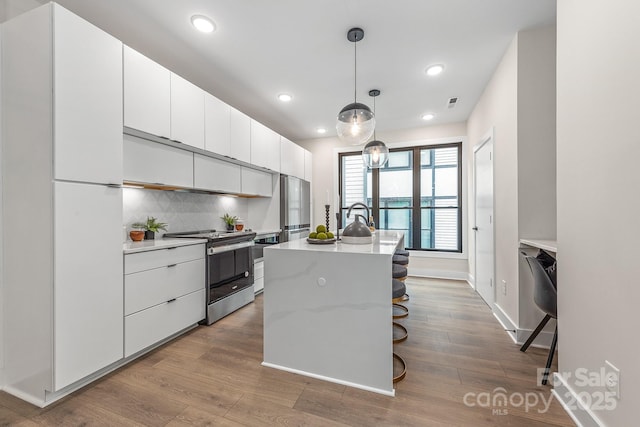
136	235
321	241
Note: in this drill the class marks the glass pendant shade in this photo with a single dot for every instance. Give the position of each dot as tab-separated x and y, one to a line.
356	124
375	154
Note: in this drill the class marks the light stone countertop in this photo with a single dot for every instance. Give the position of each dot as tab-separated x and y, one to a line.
152	245
384	242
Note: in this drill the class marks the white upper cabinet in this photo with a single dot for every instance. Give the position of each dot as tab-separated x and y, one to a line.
240	136
87	79
256	183
265	147
292	158
147	94
217	125
154	163
216	175
187	112
308	165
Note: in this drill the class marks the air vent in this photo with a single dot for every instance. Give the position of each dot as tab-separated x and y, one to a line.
452	102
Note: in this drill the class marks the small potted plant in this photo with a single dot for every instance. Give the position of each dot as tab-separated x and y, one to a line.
229	221
151	227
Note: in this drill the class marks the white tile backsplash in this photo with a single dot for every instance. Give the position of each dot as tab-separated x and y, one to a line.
183	211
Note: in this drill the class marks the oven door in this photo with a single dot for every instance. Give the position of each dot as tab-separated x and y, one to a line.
230	269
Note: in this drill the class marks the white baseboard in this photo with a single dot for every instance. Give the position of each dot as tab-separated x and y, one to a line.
571	403
329	379
437	274
519	335
506	322
471	280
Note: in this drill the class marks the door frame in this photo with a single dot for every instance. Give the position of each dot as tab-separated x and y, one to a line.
488	137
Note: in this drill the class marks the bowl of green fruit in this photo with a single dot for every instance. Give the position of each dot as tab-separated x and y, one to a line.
321	236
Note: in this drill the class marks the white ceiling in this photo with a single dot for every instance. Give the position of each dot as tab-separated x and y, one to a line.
262	48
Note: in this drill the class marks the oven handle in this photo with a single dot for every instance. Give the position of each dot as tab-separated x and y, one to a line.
226	248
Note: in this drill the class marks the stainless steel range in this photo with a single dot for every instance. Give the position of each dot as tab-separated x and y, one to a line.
229	270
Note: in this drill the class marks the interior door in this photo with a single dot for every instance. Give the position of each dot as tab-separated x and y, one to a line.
483	193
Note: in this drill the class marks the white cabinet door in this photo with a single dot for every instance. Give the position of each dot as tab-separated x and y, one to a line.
292	159
217	125
87	101
187	112
88	281
308	165
240	135
256	183
259	143
147	94
265	147
216	175
154	163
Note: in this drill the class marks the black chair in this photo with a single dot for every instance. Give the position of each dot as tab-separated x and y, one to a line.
545	297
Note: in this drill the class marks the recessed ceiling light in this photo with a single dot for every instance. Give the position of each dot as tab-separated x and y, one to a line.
202	23
434	70
428	116
321	130
285	97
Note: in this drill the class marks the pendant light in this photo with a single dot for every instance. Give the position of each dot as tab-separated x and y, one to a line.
375	154
356	122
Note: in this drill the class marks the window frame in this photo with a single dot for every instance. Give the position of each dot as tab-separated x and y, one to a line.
416	208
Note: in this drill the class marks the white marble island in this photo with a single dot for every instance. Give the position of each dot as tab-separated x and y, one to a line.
327	311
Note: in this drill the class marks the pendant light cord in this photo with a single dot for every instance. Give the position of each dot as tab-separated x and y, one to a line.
355	71
374	114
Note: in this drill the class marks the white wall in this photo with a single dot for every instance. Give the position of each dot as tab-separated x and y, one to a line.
497	108
12	8
325	175
598	148
519	104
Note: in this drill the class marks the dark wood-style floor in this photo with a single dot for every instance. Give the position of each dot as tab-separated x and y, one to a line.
213	376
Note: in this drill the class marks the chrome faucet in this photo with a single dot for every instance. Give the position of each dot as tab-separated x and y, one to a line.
366	220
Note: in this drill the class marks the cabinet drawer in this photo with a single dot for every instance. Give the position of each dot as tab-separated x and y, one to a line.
147	288
142	261
154	324
258	270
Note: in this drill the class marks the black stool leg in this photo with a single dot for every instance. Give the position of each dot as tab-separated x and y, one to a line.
552	350
535	333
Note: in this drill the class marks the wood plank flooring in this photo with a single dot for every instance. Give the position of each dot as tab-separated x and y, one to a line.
456	352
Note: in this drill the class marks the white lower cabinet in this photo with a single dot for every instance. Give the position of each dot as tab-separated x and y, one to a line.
164	293
87	285
258	276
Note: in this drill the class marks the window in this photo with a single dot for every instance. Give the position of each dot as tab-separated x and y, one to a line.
417	192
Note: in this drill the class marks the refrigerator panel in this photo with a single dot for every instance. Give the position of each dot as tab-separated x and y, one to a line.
305	214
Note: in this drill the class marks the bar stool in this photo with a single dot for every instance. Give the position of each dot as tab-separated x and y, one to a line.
399	272
398	289
400	258
402	252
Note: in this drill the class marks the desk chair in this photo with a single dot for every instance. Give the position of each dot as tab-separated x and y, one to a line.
545	297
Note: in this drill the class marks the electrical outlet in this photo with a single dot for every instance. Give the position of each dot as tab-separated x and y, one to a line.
504	287
612	379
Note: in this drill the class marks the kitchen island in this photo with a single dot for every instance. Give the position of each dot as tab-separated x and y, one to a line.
328	312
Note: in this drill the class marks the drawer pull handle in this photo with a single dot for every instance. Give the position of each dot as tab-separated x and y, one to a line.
173	247
171	265
171	300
